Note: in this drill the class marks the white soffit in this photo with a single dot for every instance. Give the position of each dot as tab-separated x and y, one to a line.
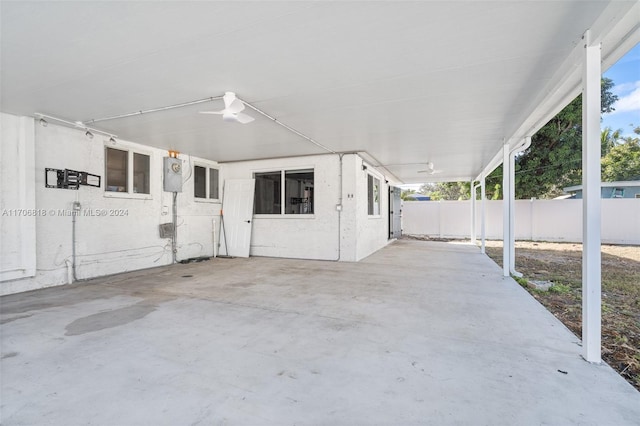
406	82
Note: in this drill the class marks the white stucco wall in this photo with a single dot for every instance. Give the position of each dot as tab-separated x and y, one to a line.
127	237
17	198
541	220
312	236
372	231
348	235
124	236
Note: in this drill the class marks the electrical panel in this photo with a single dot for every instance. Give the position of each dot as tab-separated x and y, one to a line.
172	174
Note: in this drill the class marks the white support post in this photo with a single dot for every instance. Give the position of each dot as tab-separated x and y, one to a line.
506	205
483	196
512	198
472	198
591	257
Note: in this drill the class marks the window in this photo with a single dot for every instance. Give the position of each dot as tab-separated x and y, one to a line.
127	171
141	173
117	163
205	183
284	192
373	195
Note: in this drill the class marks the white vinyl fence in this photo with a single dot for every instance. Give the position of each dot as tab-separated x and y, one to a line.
537	220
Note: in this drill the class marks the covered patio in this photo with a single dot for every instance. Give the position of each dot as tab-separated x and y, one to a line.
417	333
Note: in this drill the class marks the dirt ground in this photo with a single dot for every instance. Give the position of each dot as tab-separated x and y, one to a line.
561	263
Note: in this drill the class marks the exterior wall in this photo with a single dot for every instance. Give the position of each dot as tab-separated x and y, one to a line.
313	236
328	234
372	232
537	220
17	198
117	232
105	244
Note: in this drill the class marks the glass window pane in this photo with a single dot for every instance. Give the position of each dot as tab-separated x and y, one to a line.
369	195
213	184
267	193
373	196
199	182
116	170
298	189
141	173
376	196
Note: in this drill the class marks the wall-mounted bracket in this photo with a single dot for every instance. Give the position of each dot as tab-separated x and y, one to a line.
69	179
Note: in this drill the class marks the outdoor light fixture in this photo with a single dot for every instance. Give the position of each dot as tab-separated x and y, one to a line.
364	167
112	140
89	131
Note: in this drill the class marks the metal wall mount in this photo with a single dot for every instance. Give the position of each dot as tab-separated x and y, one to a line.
69	179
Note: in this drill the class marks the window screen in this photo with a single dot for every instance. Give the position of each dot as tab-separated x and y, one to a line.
141	173
267	198
117	164
213	184
373	197
298	192
199	182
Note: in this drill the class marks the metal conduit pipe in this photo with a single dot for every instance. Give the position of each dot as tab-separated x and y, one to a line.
174	248
74	214
146	111
339	207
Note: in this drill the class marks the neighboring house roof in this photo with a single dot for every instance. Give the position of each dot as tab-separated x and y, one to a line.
618	184
418	197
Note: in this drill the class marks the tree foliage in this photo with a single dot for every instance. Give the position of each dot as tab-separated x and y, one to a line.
554	159
622	161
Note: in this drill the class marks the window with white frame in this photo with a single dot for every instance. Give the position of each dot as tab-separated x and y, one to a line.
206	183
127	171
284	192
373	195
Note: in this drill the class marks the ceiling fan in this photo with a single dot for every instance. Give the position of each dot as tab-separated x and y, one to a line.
430	170
232	110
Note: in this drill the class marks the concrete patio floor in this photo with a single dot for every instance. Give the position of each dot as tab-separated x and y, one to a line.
418	333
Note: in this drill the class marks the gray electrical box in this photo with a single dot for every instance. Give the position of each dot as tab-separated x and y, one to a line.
166	230
172	174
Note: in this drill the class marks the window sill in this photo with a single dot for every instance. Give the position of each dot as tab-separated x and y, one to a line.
207	200
128	196
374	216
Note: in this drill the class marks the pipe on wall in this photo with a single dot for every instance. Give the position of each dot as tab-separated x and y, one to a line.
74	215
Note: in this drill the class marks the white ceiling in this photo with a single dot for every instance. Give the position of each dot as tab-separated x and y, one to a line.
406	82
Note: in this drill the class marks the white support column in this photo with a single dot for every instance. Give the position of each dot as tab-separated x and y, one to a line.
472	198
483	197
506	201
512	210
591	257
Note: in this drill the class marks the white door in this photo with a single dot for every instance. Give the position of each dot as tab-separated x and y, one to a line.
237	214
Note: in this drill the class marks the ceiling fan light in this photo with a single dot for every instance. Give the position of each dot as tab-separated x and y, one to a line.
229	117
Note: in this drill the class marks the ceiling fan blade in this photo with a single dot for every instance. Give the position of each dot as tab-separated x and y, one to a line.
211	112
244	118
236	106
